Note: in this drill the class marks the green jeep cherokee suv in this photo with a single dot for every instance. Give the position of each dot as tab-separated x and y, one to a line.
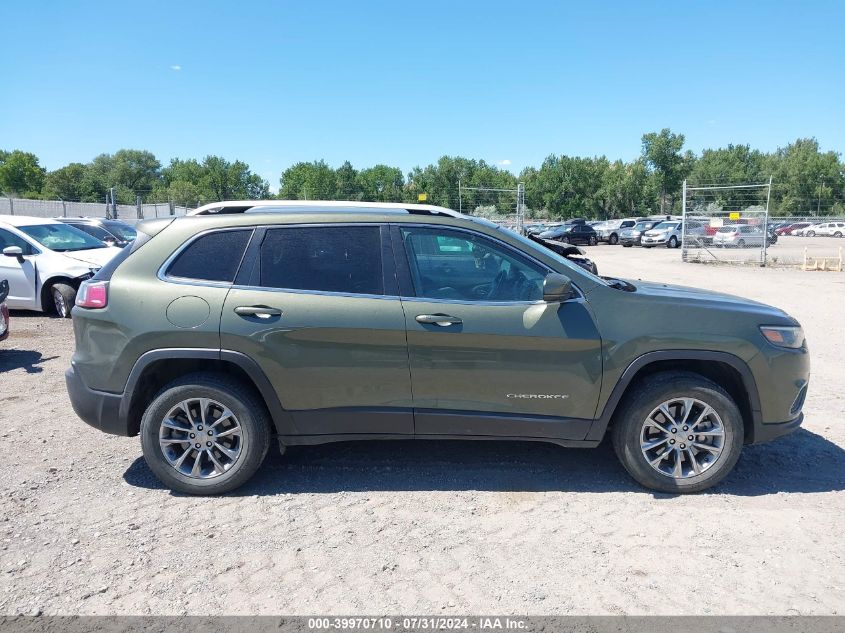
316	322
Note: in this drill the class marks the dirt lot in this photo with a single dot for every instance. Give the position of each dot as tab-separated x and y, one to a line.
425	527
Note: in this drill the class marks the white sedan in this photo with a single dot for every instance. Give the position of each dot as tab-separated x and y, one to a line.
45	261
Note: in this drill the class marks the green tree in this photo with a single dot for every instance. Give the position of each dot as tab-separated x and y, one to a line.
381	184
663	154
347	186
308	181
222	180
66	183
806	179
20	174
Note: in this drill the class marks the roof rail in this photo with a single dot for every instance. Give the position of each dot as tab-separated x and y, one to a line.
312	206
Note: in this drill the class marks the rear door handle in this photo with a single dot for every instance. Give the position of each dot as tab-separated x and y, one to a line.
262	312
443	320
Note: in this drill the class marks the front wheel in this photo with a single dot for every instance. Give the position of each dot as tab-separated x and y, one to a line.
672	243
64	297
741	244
810	234
837	234
205	435
613	240
593	240
678	433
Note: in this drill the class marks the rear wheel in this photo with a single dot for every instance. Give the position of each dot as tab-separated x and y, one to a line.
64	296
678	433
593	240
203	434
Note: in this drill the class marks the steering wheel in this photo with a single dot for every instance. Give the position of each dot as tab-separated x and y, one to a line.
497	284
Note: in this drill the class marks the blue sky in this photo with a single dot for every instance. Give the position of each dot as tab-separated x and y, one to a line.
275	82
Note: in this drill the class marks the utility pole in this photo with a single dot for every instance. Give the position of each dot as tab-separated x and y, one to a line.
819	203
113	205
459	195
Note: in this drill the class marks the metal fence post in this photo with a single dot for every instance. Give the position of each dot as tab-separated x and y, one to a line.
11	206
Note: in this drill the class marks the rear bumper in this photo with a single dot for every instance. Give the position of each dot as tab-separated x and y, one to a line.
768	432
97	408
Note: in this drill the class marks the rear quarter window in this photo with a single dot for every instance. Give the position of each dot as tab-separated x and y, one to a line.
212	257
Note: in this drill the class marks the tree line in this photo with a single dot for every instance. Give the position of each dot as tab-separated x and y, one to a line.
806	180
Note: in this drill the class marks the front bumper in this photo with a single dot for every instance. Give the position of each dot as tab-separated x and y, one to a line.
651	241
768	432
97	408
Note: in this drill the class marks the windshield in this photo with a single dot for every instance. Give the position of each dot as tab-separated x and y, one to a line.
123	231
643	226
61	237
665	226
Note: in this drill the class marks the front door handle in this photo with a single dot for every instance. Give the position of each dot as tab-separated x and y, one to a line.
262	312
443	320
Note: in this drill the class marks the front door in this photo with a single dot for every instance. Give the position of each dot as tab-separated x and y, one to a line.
21	274
488	356
324	322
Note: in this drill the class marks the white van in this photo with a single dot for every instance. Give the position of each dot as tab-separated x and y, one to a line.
45	261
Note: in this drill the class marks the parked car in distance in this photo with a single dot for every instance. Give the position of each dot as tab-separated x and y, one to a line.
111	232
669	233
632	236
4	310
807	230
46	260
739	236
609	232
319	322
579	233
785	229
827	229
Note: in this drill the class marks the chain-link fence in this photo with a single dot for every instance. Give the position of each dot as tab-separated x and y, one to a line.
726	224
64	209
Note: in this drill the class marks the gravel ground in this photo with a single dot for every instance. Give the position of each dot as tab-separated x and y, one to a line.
423	527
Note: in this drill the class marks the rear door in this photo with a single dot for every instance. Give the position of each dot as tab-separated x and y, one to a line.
318	310
488	356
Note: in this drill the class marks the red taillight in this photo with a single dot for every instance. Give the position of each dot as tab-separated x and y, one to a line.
93	295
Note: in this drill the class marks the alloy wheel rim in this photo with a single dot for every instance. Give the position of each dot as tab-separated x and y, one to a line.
59	302
682	438
201	438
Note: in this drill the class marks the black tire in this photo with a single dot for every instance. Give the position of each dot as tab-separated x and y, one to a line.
672	243
593	241
740	244
63	297
564	239
810	234
249	410
613	240
632	413
837	234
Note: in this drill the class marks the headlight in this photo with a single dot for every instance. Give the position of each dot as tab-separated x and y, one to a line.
791	337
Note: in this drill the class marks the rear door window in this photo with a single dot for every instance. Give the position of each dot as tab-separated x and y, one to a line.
342	259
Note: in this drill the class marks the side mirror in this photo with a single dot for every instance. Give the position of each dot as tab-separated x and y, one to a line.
556	288
13	251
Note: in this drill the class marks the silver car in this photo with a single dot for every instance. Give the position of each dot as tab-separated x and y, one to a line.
739	236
